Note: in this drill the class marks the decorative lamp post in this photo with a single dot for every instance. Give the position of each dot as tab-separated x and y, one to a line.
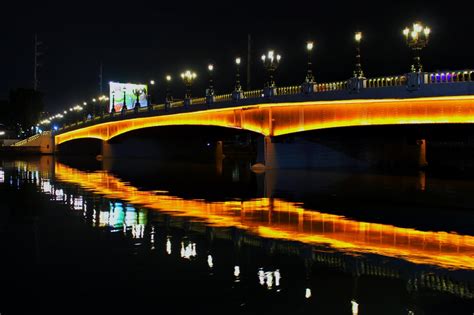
270	63
124	107
358	73
237	94
308	84
168	96
137	93
188	77
417	38
112	111
150	94
309	72
210	98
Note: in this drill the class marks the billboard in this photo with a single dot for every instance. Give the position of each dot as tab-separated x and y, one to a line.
119	90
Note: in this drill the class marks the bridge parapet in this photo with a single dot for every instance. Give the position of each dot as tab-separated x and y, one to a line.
339	90
386	81
450	77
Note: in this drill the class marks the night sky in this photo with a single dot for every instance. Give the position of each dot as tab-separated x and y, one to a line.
142	41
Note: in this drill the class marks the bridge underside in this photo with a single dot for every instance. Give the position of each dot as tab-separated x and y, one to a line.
287	118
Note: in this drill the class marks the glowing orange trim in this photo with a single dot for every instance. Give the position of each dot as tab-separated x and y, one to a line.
280	219
286	118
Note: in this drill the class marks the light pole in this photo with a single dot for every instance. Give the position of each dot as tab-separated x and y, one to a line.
137	93
210	98
417	38
188	77
168	96
124	107
309	72
237	94
150	94
112	111
358	73
271	61
308	84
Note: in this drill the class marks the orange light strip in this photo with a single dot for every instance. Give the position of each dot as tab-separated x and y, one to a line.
276	218
287	118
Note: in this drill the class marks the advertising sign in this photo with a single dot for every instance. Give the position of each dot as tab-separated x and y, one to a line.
121	93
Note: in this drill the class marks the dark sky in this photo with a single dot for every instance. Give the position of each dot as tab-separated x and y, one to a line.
138	41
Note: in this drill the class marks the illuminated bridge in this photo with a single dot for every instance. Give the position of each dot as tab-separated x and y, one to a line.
411	99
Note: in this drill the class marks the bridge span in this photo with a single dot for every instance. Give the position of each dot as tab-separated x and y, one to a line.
276	119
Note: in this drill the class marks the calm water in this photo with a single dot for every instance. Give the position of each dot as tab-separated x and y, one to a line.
135	237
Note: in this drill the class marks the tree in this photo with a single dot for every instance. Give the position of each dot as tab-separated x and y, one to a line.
24	108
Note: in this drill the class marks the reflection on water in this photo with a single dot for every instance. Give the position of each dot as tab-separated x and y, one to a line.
279	219
438	261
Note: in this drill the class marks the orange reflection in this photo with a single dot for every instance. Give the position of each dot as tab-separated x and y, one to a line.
275	218
285	118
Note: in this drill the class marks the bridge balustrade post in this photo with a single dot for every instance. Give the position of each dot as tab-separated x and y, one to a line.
237	95
187	102
355	84
269	91
308	87
415	80
210	97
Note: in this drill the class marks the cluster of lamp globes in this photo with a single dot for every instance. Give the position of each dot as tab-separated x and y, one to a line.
416	37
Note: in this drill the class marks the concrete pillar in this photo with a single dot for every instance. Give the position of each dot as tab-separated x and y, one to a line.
422	162
106	149
266	158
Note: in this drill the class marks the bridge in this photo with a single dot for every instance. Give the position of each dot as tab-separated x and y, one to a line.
410	99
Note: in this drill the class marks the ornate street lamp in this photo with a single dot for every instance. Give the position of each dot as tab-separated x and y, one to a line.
417	38
137	93
112	111
168	96
271	61
358	73
210	90
309	72
150	93
237	94
124	107
188	77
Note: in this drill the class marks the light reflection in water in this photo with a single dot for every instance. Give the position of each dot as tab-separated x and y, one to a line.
280	219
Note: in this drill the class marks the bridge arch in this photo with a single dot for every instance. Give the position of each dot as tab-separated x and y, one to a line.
287	118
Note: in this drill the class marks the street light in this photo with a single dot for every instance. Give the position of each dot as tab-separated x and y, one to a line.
238	87
210	90
188	77
210	69
149	97
309	72
358	73
137	93
417	38
237	93
271	61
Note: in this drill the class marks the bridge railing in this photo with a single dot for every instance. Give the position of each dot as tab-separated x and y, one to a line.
253	94
331	86
32	138
386	81
450	77
370	83
288	90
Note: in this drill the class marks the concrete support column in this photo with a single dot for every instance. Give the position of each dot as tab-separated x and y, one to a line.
422	162
266	155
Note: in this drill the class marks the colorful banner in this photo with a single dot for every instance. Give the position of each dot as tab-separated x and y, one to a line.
126	91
